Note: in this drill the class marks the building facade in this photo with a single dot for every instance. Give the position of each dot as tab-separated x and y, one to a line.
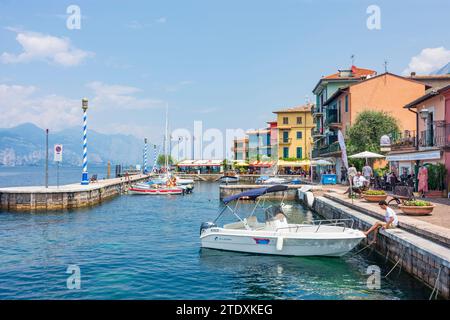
295	126
432	142
240	149
259	147
323	90
386	92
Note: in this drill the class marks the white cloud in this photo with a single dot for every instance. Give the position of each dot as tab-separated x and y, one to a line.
21	104
428	60
120	96
42	47
161	20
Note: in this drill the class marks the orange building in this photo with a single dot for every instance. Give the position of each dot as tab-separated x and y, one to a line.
385	92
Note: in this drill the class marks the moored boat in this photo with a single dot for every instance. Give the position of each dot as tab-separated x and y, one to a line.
275	235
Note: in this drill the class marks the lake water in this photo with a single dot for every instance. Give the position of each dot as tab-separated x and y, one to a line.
137	247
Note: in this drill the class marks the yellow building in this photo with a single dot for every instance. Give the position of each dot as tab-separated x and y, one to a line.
294	132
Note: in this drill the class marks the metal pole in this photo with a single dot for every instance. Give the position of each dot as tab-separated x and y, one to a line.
85	178
145	156
57	174
46	158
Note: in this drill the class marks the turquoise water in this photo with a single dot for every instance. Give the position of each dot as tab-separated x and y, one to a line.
135	247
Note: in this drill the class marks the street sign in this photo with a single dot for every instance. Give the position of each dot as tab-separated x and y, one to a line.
58	149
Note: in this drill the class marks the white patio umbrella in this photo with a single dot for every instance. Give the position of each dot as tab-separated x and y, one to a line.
321	163
366	155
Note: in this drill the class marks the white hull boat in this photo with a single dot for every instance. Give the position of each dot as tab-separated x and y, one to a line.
297	240
229	179
275	180
156	191
276	236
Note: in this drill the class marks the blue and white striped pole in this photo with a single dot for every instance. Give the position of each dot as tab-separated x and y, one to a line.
85	178
155	158
145	156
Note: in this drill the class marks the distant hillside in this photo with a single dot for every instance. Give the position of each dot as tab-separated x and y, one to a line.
25	145
444	70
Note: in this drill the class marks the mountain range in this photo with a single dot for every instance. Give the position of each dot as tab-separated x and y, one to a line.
25	145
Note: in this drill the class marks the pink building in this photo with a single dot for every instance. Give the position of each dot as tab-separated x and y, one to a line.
433	131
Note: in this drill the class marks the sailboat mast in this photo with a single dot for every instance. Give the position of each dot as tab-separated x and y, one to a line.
165	139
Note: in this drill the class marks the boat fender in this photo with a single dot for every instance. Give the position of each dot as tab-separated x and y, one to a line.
280	241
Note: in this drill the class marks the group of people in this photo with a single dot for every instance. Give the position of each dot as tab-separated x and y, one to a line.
359	181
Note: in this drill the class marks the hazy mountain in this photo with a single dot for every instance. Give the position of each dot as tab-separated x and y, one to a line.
25	145
444	70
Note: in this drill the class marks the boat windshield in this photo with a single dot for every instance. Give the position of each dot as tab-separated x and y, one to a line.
254	194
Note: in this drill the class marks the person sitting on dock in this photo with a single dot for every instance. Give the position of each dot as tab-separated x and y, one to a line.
390	218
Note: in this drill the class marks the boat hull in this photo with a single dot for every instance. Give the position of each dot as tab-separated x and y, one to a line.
279	244
136	191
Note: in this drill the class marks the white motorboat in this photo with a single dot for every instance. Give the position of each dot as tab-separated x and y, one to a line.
229	179
275	180
184	181
275	235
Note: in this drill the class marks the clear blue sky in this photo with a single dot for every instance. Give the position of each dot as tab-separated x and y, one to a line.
228	63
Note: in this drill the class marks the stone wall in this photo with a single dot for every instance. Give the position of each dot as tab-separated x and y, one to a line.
397	245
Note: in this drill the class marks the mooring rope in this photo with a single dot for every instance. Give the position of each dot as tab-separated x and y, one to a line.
359	251
398	261
435	285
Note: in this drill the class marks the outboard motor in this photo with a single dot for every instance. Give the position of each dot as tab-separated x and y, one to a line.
207	225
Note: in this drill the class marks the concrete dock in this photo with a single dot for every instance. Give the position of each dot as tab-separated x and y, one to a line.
27	199
420	245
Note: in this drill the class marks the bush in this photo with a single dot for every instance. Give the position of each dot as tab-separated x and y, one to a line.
417	203
375	192
436	176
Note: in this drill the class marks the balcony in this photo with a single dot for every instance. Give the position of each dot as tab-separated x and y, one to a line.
404	141
438	137
326	150
316	112
285	141
316	133
332	119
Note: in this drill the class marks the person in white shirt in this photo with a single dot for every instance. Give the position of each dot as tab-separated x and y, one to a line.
367	172
359	181
390	218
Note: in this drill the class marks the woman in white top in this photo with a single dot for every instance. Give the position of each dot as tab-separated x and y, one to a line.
390	218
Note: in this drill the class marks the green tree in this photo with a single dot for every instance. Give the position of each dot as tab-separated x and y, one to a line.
365	133
162	160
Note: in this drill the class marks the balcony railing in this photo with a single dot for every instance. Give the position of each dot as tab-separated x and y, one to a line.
439	136
317	133
403	140
316	112
285	141
326	150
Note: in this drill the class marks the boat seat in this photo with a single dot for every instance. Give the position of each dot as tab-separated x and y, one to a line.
251	221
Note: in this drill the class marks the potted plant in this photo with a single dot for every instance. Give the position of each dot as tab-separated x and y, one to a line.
416	207
374	195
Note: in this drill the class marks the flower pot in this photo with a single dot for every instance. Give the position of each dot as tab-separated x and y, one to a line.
416	210
374	198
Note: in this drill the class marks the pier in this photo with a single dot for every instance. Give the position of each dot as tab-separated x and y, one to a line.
72	196
419	245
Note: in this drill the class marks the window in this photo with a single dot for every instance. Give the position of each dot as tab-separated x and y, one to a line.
346	103
285	120
299	120
299	153
285	136
299	135
285	152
